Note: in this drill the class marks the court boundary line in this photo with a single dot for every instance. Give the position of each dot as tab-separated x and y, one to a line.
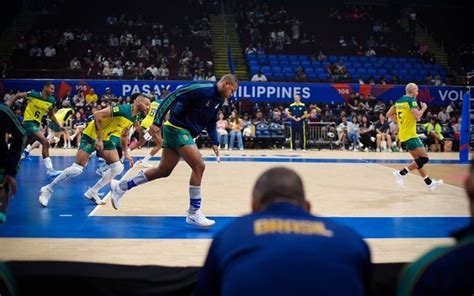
92	213
413	175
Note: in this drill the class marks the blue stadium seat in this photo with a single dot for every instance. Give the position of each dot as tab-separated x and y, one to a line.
293	58
277	69
306	63
367	65
316	63
361	71
282	57
278	75
323	76
312	76
357	64
308	69
332	59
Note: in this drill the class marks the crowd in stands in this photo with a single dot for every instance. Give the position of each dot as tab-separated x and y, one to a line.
357	124
364	31
123	45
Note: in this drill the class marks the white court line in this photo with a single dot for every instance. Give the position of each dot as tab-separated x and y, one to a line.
108	193
411	175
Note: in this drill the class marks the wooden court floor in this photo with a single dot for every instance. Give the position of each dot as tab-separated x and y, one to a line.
355	187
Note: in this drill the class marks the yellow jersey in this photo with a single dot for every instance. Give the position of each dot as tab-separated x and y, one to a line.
121	118
37	106
61	115
150	117
406	120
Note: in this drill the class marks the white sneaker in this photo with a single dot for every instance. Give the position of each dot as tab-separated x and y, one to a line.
199	219
53	173
432	187
146	164
116	193
93	196
45	195
366	149
398	179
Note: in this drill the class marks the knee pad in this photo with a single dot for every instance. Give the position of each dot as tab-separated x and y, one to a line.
116	168
74	170
421	161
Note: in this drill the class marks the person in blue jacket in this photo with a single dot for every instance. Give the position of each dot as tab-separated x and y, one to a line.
281	249
192	109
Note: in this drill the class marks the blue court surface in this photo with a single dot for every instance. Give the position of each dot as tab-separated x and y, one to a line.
68	213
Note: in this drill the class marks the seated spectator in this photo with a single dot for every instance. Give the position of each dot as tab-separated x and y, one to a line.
151	72
321	56
259	76
248	127
49	51
235	130
442	115
353	134
366	131
163	72
91	97
282	240
210	76
314	116
300	74
342	132
382	134
445	270
276	117
250	49
67	99
75	64
434	134
370	52
117	70
35	51
222	125
396	144
258	118
79	100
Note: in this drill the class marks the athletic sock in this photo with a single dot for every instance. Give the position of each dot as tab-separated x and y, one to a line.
135	181
427	180
48	163
194	198
404	171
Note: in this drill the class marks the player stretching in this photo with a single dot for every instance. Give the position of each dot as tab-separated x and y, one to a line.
406	113
193	108
106	132
39	104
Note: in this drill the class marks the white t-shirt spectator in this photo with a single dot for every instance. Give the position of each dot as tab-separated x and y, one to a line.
163	72
49	51
153	70
117	71
257	78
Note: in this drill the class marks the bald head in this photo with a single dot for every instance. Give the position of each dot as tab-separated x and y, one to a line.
227	85
278	184
411	89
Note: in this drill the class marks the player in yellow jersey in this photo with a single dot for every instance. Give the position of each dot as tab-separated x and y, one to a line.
405	112
105	133
144	137
54	131
39	105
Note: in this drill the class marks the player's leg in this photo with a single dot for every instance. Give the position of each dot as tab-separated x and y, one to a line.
193	158
82	157
169	160
417	150
158	143
115	168
45	153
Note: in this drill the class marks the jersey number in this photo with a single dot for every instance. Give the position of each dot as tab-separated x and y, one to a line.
37	114
399	116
